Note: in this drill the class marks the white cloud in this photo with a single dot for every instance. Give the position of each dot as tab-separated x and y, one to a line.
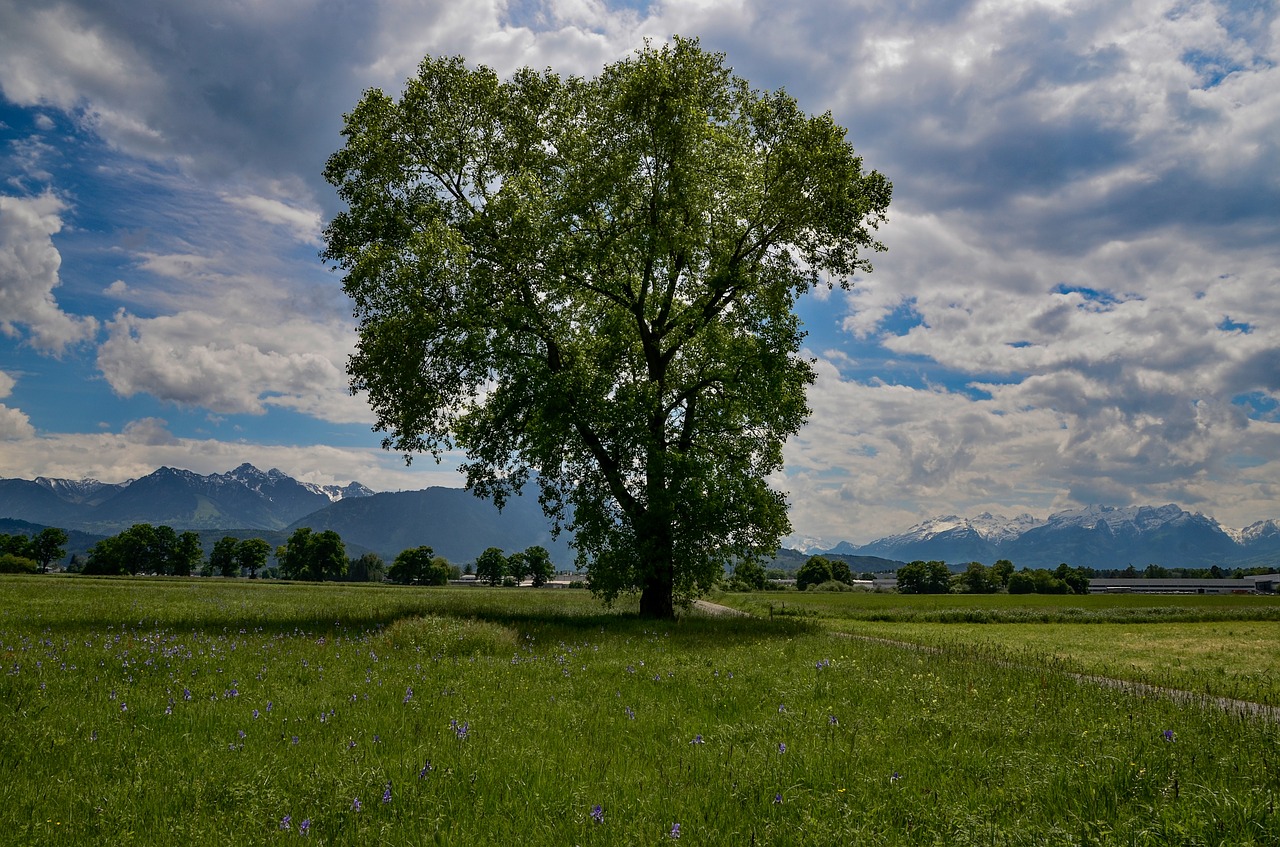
216	362
304	224
29	264
14	425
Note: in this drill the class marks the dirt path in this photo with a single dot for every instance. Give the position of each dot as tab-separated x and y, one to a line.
1242	708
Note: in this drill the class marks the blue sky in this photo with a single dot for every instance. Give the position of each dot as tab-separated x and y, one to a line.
1078	303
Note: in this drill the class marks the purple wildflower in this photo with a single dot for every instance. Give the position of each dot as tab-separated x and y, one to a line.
777	799
1167	735
782	707
386	794
286	822
408	694
186	694
631	713
675	830
255	714
426	769
597	813
896	776
295	739
782	747
697	739
355	804
305	826
831	720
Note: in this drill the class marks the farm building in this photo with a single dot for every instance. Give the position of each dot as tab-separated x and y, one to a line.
1263	584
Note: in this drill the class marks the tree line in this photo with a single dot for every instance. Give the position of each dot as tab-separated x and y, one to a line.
31	553
306	556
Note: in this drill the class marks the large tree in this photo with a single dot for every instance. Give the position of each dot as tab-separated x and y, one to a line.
592	281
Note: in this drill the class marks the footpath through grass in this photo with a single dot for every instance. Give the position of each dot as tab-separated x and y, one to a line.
209	712
1217	645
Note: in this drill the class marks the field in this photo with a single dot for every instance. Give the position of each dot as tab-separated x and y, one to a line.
234	712
1215	645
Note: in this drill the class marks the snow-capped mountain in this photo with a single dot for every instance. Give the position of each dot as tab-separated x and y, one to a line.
80	490
1102	537
243	498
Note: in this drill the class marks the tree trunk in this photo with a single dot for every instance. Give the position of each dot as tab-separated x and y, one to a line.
656	599
657	591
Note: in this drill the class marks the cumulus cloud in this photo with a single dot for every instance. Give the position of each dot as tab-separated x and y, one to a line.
29	264
207	361
1075	306
14	425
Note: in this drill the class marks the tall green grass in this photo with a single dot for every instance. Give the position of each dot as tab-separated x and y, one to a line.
193	712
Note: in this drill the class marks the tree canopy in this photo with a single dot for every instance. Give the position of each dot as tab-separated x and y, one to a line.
591	282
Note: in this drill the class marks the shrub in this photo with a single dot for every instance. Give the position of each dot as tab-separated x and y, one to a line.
9	563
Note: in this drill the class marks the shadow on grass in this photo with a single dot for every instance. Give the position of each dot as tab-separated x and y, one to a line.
181	605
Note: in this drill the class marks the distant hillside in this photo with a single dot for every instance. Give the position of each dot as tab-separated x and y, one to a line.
453	522
791	561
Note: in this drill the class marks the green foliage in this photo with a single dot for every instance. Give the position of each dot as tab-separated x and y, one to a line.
819	569
924	578
142	548
12	563
614	261
188	556
222	559
979	579
368	568
251	555
748	576
491	566
313	556
1064	580
538	563
419	566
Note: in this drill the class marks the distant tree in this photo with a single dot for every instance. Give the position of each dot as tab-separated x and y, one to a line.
491	566
1074	578
16	545
222	559
517	567
815	571
251	555
414	567
1001	571
979	579
188	555
328	556
538	562
162	550
313	556
368	568
924	578
47	547
748	576
1154	571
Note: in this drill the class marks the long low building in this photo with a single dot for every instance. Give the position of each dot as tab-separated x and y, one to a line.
1263	584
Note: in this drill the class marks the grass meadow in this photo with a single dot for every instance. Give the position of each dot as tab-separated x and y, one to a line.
234	712
1215	645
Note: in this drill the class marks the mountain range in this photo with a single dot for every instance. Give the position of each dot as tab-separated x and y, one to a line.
458	525
271	504
1102	537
